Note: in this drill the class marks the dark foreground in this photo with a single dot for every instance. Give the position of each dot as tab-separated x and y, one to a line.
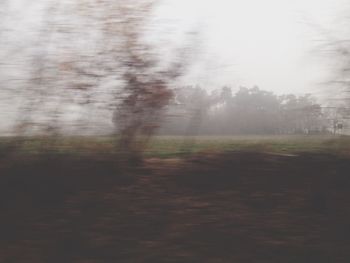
234	207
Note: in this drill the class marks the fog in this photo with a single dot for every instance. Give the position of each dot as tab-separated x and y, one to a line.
279	46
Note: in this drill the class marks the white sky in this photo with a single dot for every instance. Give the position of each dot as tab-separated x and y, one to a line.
270	43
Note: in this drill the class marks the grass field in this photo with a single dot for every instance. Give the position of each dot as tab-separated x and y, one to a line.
165	146
178	146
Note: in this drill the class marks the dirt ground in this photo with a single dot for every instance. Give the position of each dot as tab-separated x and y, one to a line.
229	207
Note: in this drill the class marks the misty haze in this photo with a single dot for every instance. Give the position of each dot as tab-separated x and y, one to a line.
174	131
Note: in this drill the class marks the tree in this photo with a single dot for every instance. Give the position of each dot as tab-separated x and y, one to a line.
145	78
97	57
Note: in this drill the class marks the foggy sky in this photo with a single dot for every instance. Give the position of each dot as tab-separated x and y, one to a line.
271	43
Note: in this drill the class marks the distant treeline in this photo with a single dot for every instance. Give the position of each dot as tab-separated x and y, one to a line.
195	111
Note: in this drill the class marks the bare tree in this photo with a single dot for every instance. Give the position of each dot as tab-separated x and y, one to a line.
146	79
